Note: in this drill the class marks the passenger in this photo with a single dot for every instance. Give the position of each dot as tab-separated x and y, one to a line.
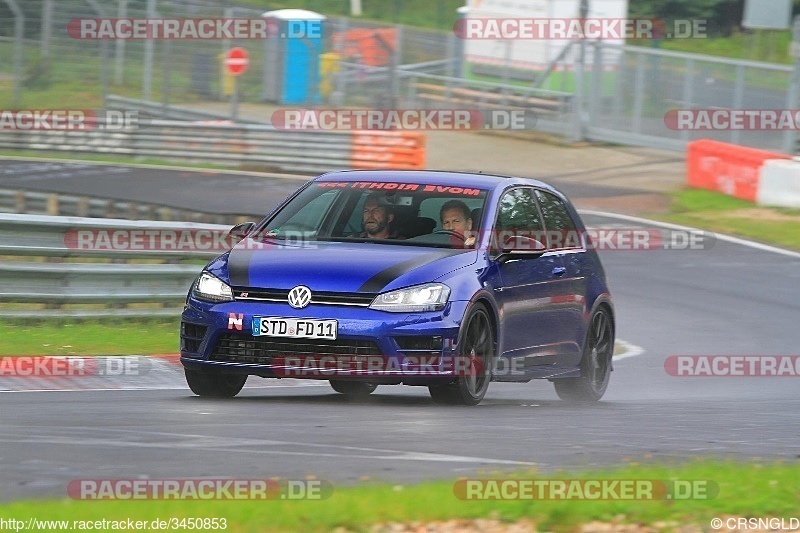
456	216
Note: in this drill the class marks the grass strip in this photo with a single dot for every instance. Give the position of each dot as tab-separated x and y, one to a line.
725	214
746	490
89	337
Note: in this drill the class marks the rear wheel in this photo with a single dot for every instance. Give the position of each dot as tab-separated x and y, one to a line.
477	345
595	364
214	384
353	388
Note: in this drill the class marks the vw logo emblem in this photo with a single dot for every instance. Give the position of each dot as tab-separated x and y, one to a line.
299	297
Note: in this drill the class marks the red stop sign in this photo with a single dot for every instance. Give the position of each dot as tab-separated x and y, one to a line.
237	60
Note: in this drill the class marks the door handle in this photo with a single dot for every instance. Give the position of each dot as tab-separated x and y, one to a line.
559	271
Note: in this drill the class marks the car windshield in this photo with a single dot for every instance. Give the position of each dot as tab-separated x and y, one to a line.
444	216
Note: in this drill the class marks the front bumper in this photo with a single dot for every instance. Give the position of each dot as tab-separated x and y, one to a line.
374	346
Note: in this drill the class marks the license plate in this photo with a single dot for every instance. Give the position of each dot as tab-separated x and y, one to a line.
298	328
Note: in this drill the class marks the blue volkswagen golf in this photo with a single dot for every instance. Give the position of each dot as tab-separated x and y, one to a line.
437	279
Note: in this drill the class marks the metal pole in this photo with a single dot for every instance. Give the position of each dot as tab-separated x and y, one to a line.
167	62
47	27
149	50
104	52
738	101
688	94
19	42
579	125
235	100
228	13
397	60
119	76
790	137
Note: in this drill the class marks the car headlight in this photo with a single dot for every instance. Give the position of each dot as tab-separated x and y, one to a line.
428	297
211	289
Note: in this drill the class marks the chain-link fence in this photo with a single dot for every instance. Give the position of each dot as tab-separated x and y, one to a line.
635	98
610	93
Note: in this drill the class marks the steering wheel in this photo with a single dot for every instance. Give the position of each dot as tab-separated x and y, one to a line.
450	233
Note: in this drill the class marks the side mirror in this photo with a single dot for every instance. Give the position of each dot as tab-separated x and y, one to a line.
240	231
520	247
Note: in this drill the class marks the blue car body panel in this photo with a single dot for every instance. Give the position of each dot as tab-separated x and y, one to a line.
541	307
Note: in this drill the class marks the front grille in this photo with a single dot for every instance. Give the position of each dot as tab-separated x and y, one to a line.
191	336
362	299
262	350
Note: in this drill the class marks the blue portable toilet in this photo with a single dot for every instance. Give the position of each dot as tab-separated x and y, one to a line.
291	58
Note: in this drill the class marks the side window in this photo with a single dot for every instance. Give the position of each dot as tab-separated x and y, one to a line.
517	216
561	229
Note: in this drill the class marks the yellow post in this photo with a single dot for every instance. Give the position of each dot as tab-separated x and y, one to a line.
328	67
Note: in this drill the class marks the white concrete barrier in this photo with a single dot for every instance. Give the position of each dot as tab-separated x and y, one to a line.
779	183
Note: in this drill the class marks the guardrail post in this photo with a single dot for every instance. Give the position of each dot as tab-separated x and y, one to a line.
52	205
19	201
83	206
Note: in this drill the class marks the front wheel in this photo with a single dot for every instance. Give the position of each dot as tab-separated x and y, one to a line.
353	388
476	355
595	364
211	384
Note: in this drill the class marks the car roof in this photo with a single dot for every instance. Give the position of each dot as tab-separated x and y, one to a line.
435	177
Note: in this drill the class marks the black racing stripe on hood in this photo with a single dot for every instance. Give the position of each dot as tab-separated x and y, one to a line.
380	280
239	267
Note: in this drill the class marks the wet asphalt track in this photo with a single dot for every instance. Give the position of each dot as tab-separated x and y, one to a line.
209	191
728	300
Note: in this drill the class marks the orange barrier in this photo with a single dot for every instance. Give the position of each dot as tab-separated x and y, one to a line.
371	47
399	150
727	168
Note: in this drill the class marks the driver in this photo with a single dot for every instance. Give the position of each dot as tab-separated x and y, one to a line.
456	216
378	219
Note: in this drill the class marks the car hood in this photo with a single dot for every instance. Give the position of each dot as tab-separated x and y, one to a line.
338	267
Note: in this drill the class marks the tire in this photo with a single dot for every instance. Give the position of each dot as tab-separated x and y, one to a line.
211	384
353	388
476	342
595	363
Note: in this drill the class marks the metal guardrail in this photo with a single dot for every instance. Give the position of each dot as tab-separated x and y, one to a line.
243	144
116	283
59	204
167	112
